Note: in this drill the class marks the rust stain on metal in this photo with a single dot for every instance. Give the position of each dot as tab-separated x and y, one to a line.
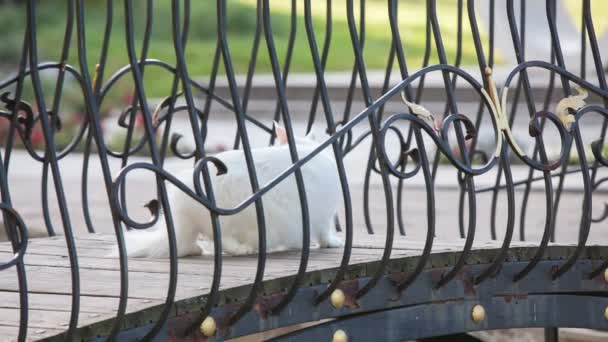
223	319
509	297
397	277
178	326
437	275
350	289
601	279
264	304
468	281
553	270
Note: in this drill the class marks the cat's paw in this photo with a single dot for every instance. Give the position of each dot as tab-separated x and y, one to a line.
333	241
233	247
241	250
192	249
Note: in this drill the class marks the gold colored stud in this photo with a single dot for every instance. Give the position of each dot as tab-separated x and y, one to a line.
208	326
337	298
488	71
478	313
606	275
340	336
606	313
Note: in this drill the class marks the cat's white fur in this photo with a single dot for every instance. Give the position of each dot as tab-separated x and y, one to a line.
239	232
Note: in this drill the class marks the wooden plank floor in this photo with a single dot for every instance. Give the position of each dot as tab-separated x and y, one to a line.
48	268
49	287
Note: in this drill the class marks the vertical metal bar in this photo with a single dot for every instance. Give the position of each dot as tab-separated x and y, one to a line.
586	219
90	93
174	87
324	57
288	54
551	334
347	109
55	112
18	242
280	82
156	160
468	185
517	45
9	223
242	130
251	68
556	47
179	40
423	159
96	88
601	77
547	100
504	158
126	148
319	65
51	155
374	125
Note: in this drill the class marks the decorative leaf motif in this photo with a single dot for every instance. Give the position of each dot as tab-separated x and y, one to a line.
420	111
574	102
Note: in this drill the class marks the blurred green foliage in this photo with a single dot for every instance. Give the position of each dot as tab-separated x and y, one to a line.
241	23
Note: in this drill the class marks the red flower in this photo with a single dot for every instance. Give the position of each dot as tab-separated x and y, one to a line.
127	98
139	119
37	137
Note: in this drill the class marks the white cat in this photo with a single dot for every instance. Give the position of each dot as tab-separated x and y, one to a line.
239	232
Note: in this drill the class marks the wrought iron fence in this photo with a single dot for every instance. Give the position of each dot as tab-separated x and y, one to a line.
414	156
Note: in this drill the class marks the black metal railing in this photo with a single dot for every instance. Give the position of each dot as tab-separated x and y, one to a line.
414	157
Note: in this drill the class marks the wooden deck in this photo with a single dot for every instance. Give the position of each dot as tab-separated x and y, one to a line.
48	268
48	275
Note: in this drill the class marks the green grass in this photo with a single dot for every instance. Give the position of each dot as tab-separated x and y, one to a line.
599	12
241	25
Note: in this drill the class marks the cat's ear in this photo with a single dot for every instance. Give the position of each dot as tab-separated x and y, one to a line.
281	133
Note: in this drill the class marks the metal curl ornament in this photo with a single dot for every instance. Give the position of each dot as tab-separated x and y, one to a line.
604	214
154	206
497	109
27	120
405	153
164	103
175	138
158	120
22	234
597	148
440	140
199	168
122	122
346	141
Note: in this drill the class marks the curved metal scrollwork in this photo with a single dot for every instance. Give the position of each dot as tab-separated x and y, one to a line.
402	141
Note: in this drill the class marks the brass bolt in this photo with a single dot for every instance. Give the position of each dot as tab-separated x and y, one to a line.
606	313
337	298
208	326
488	71
478	313
340	336
606	275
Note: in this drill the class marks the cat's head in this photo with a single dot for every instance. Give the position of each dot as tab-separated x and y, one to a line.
281	132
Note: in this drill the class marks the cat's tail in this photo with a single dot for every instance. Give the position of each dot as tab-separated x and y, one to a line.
147	243
154	243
